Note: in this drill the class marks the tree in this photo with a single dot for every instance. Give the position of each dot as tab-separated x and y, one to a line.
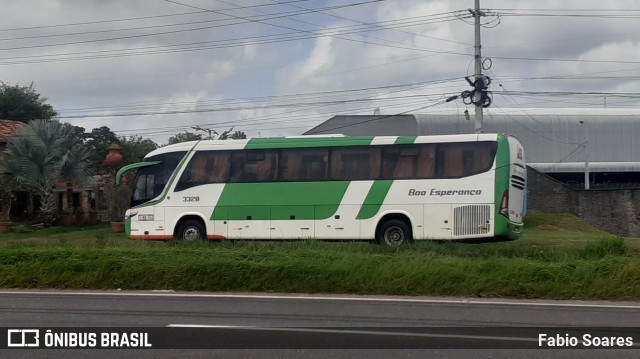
184	137
98	141
40	154
238	135
135	148
225	135
6	198
22	103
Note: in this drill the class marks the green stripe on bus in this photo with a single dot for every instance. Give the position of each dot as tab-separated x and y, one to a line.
374	199
501	183
405	140
271	143
279	201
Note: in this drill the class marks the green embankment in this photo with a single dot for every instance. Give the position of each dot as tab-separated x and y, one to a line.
559	256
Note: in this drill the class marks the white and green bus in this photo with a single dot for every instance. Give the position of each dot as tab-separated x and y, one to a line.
392	189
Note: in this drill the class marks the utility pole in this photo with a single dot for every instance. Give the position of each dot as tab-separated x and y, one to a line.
478	64
479	96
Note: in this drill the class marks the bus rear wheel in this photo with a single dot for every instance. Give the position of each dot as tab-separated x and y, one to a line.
191	230
393	232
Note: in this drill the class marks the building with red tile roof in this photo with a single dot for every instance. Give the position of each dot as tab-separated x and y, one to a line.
7	129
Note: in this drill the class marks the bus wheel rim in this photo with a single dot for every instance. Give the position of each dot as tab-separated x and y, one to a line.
191	234
394	235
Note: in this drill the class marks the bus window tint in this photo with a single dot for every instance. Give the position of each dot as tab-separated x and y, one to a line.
406	162
254	166
416	161
143	188
203	168
426	163
303	165
398	164
355	163
464	159
150	181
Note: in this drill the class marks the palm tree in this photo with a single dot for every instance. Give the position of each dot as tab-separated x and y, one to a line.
238	135
39	155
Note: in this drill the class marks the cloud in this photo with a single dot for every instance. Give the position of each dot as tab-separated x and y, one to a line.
275	74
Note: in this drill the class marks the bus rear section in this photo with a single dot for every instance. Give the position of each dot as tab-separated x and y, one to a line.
511	182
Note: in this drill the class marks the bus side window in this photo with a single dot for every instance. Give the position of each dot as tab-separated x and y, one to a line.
426	164
409	161
399	162
303	164
289	168
456	160
205	167
449	161
355	163
483	155
266	166
197	168
254	166
239	172
314	170
468	161
315	165
218	167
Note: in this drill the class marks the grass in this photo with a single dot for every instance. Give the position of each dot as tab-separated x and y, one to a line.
558	257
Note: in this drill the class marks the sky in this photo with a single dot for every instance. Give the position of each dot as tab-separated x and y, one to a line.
156	68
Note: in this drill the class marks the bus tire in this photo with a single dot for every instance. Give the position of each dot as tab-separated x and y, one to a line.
191	230
393	232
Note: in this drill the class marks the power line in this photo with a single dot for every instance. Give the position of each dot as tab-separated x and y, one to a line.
296	96
579	149
132	18
286	117
269	120
246	19
538	133
570	93
441	102
281	117
99	22
373	24
289	28
563	60
280	15
575	13
198	46
225	109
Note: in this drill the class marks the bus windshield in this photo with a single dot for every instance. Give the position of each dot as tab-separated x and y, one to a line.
150	181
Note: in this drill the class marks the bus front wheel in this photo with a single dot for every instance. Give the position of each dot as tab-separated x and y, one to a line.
191	230
393	232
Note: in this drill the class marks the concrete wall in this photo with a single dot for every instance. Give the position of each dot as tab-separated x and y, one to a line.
614	211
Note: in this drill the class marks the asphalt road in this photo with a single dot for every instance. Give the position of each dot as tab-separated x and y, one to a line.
244	325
